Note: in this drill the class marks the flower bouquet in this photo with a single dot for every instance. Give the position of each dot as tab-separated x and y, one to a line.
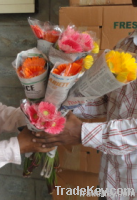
73	45
113	69
45	95
40	114
32	70
46	33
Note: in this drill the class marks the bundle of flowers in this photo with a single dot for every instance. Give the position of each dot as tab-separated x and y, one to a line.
73	44
46	33
45	30
32	69
73	41
112	70
44	116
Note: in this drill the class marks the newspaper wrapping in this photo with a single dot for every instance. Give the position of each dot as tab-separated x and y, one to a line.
96	82
44	46
35	87
56	55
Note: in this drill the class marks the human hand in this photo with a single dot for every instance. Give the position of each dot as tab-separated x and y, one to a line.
26	145
70	135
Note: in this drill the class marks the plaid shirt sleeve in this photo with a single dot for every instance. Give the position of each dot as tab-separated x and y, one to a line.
93	109
117	137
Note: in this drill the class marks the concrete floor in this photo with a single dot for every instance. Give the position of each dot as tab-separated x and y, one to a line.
16	36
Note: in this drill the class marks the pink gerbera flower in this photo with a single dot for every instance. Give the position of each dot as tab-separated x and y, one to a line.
46	111
86	42
41	124
69	46
56	126
32	113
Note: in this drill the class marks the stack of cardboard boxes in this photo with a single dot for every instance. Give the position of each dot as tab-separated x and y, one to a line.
79	168
111	20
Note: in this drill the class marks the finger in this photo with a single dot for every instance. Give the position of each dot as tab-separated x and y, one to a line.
45	140
41	134
50	145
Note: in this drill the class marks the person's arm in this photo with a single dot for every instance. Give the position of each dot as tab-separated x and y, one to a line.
93	109
116	137
10	119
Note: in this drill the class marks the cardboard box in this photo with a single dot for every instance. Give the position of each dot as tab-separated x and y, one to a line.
98	2
111	23
86	19
71	179
79	158
95	29
118	22
81	16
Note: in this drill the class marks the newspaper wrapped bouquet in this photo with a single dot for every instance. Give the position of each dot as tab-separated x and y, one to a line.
73	45
112	70
75	77
45	91
46	33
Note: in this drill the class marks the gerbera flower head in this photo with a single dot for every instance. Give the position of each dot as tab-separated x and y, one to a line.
88	62
47	111
37	31
86	42
56	126
122	65
69	46
40	124
72	41
95	48
31	111
51	35
32	67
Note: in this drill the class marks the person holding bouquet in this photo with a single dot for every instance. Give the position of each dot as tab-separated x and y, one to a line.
10	119
116	138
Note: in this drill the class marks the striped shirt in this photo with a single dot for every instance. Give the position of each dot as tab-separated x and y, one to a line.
117	137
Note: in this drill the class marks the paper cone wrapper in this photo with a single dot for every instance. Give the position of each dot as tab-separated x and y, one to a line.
96	82
59	56
35	87
44	46
58	87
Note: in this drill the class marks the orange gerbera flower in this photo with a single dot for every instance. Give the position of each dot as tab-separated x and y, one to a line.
51	36
70	69
60	69
34	61
80	61
33	71
32	67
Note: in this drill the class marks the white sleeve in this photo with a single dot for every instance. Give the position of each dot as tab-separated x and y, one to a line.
10	119
10	152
